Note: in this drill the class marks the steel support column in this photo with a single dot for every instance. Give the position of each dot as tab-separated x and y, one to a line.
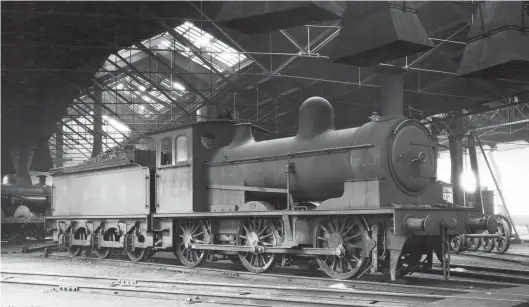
98	127
59	147
456	159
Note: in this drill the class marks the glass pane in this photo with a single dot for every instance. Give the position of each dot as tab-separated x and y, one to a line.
181	148
167	151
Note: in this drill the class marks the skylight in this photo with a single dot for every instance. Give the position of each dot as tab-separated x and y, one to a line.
178	86
114	123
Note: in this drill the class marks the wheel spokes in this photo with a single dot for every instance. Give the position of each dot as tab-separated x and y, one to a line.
338	232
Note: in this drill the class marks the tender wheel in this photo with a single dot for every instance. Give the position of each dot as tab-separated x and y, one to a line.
152	252
80	234
258	233
344	234
488	244
504	229
190	232
138	254
456	244
473	244
110	235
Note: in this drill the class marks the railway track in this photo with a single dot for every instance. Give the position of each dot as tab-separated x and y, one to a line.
223	292
302	277
507	257
242	287
230	293
488	273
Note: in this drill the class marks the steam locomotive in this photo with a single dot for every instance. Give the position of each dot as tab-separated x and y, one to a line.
23	209
356	200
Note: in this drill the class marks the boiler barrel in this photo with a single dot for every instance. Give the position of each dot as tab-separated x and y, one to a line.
314	174
35	197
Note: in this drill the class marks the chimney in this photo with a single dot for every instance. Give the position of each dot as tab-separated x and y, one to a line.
42	180
243	135
391	91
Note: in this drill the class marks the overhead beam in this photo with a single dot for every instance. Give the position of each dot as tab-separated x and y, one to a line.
123	134
228	37
162	62
85	92
103	86
75	132
183	40
75	141
87	115
292	40
147	79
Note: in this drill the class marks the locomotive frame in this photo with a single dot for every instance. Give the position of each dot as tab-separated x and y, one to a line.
207	198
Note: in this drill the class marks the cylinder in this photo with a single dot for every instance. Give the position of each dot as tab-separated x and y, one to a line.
488	223
412	224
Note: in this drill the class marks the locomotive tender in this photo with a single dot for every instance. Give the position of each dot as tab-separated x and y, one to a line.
358	200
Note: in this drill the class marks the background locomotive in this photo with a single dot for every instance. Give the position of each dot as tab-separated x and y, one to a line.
24	208
358	200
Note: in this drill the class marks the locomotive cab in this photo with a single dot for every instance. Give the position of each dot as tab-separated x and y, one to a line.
180	155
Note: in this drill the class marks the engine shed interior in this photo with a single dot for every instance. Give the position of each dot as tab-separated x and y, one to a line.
360	139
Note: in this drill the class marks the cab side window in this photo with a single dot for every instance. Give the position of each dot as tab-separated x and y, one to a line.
181	148
166	151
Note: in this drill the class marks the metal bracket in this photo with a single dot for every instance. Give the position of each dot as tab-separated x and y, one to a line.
287	226
445	250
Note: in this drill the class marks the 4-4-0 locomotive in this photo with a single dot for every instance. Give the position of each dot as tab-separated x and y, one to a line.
358	200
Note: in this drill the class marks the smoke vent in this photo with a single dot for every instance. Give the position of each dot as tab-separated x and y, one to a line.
243	135
377	32
498	42
391	91
253	17
42	161
22	155
316	116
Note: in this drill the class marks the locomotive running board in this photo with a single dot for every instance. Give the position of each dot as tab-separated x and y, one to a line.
277	213
268	250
